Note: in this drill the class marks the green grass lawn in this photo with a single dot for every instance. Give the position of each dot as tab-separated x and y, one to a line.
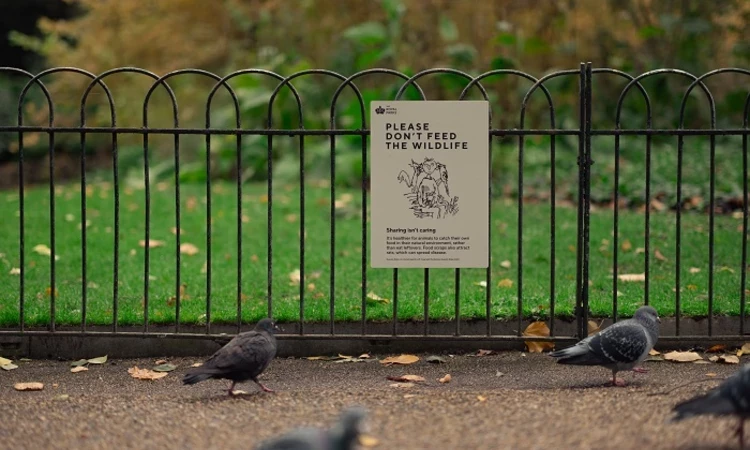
348	248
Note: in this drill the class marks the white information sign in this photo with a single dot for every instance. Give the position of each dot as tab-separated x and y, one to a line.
429	184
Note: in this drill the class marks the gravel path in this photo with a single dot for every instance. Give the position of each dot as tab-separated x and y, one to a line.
529	403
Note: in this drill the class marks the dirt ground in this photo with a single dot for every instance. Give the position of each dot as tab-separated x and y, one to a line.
503	401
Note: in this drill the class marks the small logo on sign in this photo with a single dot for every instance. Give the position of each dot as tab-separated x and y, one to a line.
380	110
386	110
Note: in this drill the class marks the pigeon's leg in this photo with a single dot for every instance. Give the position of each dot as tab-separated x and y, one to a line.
265	389
231	388
617	381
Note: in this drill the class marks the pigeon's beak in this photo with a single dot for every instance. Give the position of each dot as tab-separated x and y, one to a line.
658	319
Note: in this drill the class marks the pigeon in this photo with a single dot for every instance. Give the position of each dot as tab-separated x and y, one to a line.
241	359
621	346
730	398
342	436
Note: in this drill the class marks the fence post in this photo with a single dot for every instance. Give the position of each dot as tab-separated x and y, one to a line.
584	201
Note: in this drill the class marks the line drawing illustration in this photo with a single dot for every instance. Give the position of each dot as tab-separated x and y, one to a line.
429	194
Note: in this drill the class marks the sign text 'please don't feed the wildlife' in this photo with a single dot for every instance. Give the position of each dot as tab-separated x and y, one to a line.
430	184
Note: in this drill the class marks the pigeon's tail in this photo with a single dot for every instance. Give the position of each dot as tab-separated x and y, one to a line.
196	377
577	354
706	404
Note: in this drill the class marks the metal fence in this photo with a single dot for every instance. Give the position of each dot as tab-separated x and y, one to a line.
478	328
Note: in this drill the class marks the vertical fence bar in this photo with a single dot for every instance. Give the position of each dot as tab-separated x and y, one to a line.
178	232
581	194
488	273
302	284
22	227
552	232
519	237
426	302
678	234
115	231
743	267
616	227
84	286
52	283
238	163
587	203
332	287
395	302
457	301
208	236
147	227
364	235
269	214
647	225
711	230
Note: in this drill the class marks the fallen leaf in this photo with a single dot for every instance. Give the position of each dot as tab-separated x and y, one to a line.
188	249
682	356
375	298
435	359
505	283
409	395
717	348
594	327
33	386
401	359
295	276
728	359
744	350
726	269
364	356
640	250
43	250
701	361
481	283
691	287
99	360
368	441
15	271
402	385
538	328
4	361
164	368
151	243
79	369
710	374
659	256
239	392
196	364
626	245
80	362
653	352
482	352
445	379
481	398
145	374
9	366
694	270
321	358
632	277
406	378
505	264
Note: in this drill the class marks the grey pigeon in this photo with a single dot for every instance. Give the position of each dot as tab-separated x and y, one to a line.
621	346
344	435
730	398
241	359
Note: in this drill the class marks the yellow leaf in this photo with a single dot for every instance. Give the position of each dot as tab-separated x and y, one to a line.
43	250
368	441
594	327
146	374
374	298
15	271
692	287
4	361
632	277
682	356
538	328
659	256
401	359
505	264
79	369
152	243
33	386
188	249
694	270
295	277
445	379
311	287
744	350
626	245
407	378
480	283
728	359
481	398
653	352
505	283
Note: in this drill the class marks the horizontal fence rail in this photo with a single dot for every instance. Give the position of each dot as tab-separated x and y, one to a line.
593	253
